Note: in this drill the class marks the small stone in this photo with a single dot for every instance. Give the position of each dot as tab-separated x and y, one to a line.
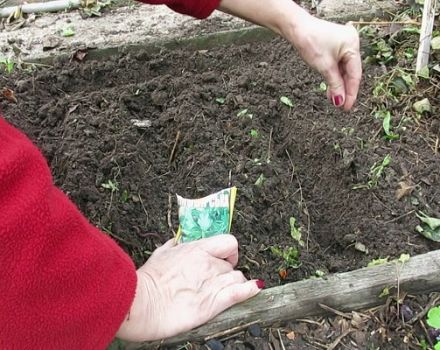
214	344
255	330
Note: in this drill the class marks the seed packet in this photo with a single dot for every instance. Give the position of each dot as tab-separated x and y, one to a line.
205	217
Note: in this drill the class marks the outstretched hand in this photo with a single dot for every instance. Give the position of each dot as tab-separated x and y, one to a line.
333	50
183	286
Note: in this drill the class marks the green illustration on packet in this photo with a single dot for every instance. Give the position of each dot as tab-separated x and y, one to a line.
205	217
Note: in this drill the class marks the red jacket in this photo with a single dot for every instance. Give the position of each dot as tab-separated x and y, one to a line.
63	283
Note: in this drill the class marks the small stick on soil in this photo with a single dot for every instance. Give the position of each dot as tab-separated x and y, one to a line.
231	330
281	340
385	23
436	146
143	207
337	312
268	150
428	307
173	151
170	207
306	210
399	217
333	345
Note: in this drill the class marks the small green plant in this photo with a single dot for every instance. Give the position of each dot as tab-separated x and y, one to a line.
377	262
290	256
254	133
220	100
286	101
386	124
110	185
8	64
376	172
429	227
295	232
323	87
433	321
68	31
260	181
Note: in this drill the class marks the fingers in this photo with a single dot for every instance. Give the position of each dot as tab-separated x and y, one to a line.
352	79
234	294
221	246
336	85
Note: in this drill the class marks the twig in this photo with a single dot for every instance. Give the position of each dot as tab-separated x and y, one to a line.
231	330
333	345
142	204
281	340
384	23
425	34
436	147
337	312
268	150
306	210
173	151
170	225
399	217
428	307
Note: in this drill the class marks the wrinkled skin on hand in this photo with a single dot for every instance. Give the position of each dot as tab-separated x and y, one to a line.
184	286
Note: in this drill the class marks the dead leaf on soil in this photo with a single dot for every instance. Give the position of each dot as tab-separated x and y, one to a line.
80	55
404	190
291	335
9	95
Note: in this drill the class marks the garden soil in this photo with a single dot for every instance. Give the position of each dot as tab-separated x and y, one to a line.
214	119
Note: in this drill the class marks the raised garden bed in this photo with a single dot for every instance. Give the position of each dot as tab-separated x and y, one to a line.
217	120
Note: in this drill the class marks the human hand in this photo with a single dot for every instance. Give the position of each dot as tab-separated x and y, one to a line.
183	286
333	50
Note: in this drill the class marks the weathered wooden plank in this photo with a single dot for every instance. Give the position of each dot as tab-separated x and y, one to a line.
343	291
426	34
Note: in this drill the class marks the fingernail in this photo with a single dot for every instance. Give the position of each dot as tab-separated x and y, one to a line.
337	100
260	284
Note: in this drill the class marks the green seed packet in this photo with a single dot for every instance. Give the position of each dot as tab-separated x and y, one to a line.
205	217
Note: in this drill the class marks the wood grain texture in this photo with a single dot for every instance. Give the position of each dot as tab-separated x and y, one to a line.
426	34
344	291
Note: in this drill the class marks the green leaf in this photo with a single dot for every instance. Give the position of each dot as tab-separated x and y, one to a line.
434	317
319	273
437	346
287	101
220	100
376	262
323	87
433	223
404	258
260	181
110	185
254	133
385	292
435	43
387	123
295	232
422	106
423	73
68	31
242	113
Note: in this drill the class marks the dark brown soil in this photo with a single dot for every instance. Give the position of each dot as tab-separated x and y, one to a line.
311	155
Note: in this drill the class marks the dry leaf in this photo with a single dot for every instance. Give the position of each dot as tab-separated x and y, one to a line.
9	95
404	190
291	335
283	274
80	55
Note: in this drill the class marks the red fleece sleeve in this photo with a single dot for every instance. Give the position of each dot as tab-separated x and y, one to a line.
63	283
196	8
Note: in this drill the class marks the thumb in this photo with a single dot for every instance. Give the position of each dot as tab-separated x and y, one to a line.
236	293
336	86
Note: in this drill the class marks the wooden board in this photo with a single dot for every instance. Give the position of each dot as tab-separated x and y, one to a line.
344	291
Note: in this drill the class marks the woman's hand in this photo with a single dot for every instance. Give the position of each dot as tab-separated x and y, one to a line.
184	286
332	49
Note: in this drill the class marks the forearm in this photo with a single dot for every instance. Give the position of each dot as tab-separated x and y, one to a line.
281	16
